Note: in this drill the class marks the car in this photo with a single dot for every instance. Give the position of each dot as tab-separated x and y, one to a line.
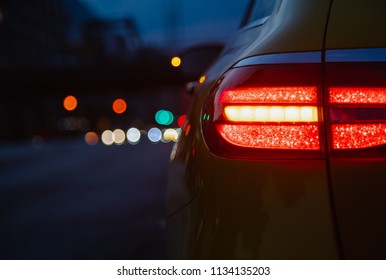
283	151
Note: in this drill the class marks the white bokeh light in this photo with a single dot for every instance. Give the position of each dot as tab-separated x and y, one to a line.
154	134
133	135
170	134
108	137
119	136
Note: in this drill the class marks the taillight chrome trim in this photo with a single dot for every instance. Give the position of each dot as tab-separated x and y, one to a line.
356	55
280	58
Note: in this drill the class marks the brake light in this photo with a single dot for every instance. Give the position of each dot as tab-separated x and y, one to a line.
289	137
361	95
256	112
358	136
359	111
273	108
270	95
270	126
357	105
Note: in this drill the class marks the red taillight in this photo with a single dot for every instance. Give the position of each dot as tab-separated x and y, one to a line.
358	136
275	95
254	120
357	95
357	106
356	116
275	110
287	137
255	111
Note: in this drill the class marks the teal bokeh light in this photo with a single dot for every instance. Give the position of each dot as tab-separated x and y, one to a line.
164	117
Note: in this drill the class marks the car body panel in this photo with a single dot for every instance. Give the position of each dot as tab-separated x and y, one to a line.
356	24
255	210
295	26
359	194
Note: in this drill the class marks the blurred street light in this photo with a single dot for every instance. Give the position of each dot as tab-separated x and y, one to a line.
176	61
170	134
119	136
164	117
70	103
133	135
91	138
181	120
119	106
108	137
154	134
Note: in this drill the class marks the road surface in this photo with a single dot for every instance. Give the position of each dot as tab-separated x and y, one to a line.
67	200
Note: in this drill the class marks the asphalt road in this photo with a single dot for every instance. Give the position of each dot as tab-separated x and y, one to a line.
67	200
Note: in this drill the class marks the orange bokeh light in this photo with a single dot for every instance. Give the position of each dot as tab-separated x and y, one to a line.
91	138
119	106
70	103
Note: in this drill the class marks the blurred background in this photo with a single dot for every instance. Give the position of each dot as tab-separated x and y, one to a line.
92	100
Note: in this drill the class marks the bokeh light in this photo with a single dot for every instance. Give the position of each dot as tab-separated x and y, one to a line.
164	117
108	137
133	135
181	120
119	136
91	138
119	106
70	103
154	134
171	134
176	61
202	79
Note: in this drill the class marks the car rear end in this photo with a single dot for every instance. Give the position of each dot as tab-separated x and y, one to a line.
282	153
355	82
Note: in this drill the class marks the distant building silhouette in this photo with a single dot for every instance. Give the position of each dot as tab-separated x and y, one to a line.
32	33
48	48
60	33
115	41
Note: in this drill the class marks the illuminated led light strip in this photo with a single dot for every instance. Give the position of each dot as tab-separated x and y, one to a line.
271	113
355	95
284	137
297	95
357	136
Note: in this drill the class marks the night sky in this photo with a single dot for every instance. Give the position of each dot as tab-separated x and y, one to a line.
177	22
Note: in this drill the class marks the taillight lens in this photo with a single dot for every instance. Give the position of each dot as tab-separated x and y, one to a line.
357	105
265	111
